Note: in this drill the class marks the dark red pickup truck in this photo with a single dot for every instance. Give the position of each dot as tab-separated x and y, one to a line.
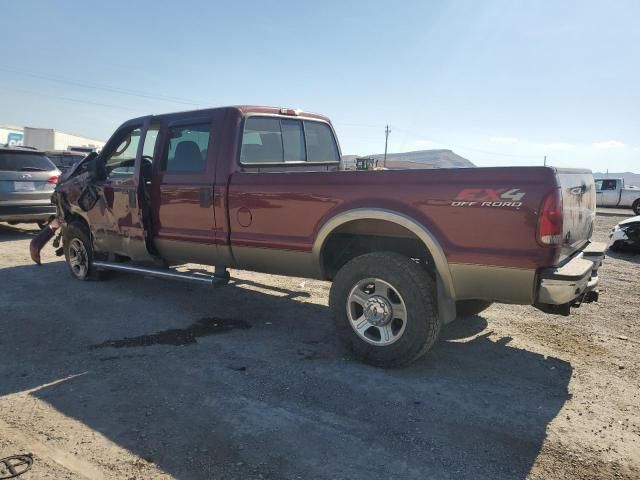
262	189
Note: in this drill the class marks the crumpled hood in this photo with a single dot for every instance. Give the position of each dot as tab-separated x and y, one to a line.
630	220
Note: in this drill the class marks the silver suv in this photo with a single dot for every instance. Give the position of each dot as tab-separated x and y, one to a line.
27	180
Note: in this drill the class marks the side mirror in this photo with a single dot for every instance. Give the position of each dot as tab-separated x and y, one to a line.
95	167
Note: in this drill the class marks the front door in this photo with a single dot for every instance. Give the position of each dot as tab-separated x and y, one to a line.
182	201
608	194
116	220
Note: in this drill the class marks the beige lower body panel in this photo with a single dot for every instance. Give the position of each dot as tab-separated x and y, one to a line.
279	262
496	284
267	260
175	252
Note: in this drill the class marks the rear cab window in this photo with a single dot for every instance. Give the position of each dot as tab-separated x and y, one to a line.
277	140
25	162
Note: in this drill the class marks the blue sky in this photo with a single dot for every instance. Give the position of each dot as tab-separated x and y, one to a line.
499	82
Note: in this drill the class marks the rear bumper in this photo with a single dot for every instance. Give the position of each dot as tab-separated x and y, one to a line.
569	284
26	213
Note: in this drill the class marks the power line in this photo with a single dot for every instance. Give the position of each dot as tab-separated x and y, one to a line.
122	91
75	100
442	144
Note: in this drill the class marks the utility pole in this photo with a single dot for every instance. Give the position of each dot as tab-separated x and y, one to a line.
386	144
545	160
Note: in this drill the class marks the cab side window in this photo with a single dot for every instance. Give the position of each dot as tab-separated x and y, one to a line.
187	148
608	185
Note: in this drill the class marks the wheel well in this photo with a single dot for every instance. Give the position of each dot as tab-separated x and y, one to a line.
359	237
78	219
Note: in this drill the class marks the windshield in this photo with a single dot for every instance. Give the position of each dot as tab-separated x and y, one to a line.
25	162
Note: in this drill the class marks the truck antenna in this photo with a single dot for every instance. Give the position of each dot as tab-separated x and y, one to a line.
386	143
545	160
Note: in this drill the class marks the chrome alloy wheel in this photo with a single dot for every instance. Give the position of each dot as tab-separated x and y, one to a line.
78	258
376	311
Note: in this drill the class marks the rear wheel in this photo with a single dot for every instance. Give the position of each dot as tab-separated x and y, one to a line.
467	308
78	252
636	207
384	308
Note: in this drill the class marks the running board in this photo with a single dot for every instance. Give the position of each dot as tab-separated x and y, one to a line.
211	280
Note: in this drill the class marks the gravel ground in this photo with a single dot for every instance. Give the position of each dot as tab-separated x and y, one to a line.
137	378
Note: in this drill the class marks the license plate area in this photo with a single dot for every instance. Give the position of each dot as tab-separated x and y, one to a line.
24	186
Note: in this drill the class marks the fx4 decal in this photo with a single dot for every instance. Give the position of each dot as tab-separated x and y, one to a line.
489	197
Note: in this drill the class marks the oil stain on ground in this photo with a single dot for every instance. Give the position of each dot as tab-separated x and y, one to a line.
179	336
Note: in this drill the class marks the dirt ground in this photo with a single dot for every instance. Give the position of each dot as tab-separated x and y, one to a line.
136	378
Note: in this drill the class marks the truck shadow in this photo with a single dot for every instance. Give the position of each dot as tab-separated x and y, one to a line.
628	254
276	395
9	233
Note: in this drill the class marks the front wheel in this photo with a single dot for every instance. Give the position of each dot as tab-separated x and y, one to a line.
636	207
78	252
384	308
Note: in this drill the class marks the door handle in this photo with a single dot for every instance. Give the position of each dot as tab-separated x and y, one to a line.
206	197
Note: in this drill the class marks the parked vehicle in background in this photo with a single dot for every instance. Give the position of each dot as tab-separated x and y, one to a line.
65	159
625	234
27	180
612	192
48	139
260	188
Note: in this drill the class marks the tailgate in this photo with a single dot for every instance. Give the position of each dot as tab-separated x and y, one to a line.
578	208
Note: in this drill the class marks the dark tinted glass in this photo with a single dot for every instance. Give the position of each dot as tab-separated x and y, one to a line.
321	146
25	162
608	185
188	146
293	140
262	141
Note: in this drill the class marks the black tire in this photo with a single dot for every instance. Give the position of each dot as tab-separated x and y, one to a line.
636	207
72	234
467	308
416	290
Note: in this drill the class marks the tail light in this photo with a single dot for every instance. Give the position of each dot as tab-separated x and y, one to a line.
53	179
550	220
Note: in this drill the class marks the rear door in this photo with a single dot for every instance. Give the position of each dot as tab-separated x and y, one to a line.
610	192
182	189
26	178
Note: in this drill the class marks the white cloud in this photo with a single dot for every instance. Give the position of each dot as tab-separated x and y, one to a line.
504	139
608	144
558	146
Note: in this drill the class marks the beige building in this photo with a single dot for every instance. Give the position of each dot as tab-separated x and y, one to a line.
47	139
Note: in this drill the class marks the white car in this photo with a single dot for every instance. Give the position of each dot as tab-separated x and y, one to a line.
626	233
